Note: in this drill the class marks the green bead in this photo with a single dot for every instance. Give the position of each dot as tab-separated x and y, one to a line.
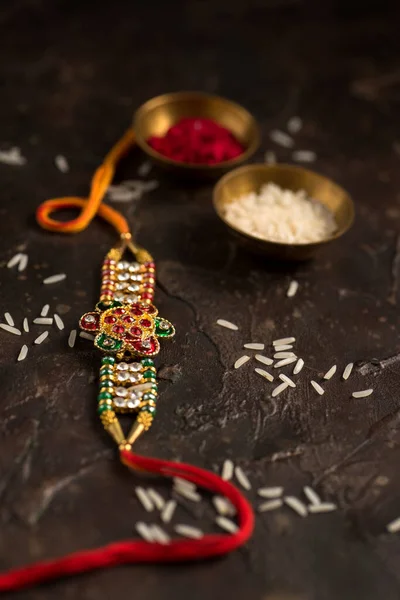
149	396
103	408
107	383
108	360
154	387
106	371
150	409
104	396
148	374
147	362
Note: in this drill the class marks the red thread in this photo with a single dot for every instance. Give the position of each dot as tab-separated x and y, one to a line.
197	141
127	551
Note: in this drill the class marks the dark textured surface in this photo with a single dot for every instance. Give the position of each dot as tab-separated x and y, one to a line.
72	73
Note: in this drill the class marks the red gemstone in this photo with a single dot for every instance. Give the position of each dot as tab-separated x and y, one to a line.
150	349
145	323
107	291
90	321
136	331
147	295
118	329
110	319
151	309
136	310
128	319
107	272
150	264
119	311
148	285
109	282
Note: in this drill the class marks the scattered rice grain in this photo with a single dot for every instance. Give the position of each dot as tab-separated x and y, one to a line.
10	329
264	374
362	393
72	338
168	511
393	526
144	531
54	278
25	325
270	492
22	353
285	355
270	505
292	290
45	310
223	506
298	367
329	374
296	505
347	371
159	535
264	359
240	361
305	156
59	322
156	498
254	346
283	347
294	125
86	336
43	321
12	157
14	260
227	470
23	263
227	324
311	495
322	508
61	163
144	499
41	337
289	381
242	478
270	157
226	524
188	531
279	389
281	138
288	340
144	169
317	387
284	362
179	482
188	494
9	319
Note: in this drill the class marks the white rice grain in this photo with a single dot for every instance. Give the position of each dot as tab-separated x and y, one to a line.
9	319
281	138
188	494
156	498
45	310
285	355
288	340
61	163
168	511
324	507
264	374
59	322
159	535
14	260
287	379
292	289
270	505
22	353
347	371
270	157
241	361
179	482
393	526
23	263
254	346
86	336
144	169
144	531
227	470
25	325
226	524
294	125
329	374
41	337
188	531
43	321
298	367
296	505
270	492
10	329
279	389
12	157
311	495
284	362
72	338
305	156
362	393
223	506
144	499
242	478
264	359
283	347
227	324
54	278
317	387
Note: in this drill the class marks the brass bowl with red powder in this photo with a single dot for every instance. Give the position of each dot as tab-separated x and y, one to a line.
158	115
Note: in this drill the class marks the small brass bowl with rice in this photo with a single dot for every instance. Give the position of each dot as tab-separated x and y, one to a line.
282	211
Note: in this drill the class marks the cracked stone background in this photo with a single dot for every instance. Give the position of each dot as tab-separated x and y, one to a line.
72	73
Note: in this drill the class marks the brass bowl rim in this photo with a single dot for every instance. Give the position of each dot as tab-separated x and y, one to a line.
261	166
191	95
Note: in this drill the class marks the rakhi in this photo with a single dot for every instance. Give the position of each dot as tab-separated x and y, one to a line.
128	332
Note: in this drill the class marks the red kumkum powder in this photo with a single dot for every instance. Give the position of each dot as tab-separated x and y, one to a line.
197	141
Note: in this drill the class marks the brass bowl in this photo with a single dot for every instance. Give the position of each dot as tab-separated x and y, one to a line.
157	115
250	178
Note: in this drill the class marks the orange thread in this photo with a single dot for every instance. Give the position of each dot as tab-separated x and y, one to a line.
91	206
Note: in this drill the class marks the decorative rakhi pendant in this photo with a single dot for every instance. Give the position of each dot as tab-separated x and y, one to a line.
127	328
